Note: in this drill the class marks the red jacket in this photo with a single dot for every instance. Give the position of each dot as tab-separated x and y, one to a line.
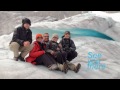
34	53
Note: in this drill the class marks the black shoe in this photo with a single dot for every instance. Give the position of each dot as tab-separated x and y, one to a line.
77	68
21	58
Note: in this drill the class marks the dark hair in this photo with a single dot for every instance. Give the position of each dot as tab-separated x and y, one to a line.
26	20
68	32
46	33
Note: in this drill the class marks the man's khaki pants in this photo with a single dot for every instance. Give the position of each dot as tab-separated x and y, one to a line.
16	48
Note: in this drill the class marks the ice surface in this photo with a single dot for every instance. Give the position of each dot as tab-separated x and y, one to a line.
109	49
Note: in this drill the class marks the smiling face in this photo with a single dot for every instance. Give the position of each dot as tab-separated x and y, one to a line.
55	39
67	36
39	39
46	37
26	26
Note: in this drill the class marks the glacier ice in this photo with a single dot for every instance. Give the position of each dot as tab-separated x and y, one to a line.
110	50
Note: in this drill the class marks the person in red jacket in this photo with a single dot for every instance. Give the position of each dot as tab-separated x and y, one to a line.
37	55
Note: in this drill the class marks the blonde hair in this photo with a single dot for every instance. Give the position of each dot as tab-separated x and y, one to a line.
55	35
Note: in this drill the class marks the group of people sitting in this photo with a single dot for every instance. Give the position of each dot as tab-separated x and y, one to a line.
54	55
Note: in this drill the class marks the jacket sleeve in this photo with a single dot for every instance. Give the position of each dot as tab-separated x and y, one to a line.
60	44
48	50
34	53
73	47
16	37
30	37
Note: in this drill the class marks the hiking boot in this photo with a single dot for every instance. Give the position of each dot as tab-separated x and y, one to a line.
73	67
21	58
65	68
77	68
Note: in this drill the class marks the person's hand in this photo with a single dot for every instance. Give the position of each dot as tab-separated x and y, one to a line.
26	43
58	49
52	53
60	45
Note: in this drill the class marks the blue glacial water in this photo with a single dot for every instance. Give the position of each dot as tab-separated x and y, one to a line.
75	32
